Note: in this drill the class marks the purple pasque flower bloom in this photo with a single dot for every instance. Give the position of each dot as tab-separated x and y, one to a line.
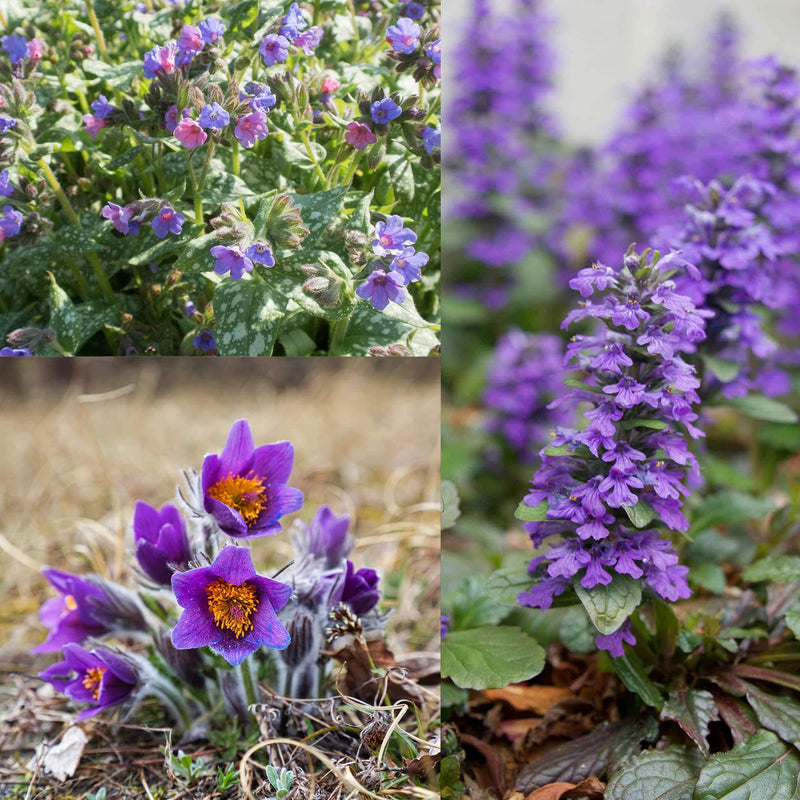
168	220
213	116
100	677
632	452
229	607
6	352
260	253
161	543
211	30
409	264
326	537
431	139
392	238
357	589
121	218
274	49
189	133
359	135
101	107
204	341
251	127
244	487
231	259
404	37
10	222
381	287
16	47
384	111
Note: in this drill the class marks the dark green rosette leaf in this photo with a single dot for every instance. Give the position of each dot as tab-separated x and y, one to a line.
669	774
693	710
609	606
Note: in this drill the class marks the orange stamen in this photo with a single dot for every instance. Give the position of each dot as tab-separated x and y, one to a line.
232	606
245	495
92	680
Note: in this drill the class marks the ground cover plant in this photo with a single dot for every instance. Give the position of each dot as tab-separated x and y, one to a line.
158	714
238	178
630	396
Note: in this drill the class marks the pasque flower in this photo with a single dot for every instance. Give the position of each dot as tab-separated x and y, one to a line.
229	607
325	538
244	487
357	589
160	540
98	676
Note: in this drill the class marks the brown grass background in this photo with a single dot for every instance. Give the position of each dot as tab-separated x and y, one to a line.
84	439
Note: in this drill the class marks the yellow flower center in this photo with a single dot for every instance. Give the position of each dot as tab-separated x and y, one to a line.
245	495
69	603
92	680
232	606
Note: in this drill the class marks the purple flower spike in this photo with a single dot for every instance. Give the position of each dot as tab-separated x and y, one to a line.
168	220
260	253
231	259
357	589
274	49
161	541
251	127
72	615
404	37
244	487
214	116
613	641
381	287
99	677
384	111
229	607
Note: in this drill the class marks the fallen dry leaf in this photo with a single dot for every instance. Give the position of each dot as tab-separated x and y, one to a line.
592	788
62	759
537	699
553	791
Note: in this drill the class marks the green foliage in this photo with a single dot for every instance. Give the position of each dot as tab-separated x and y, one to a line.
187	767
669	774
610	605
227	777
281	781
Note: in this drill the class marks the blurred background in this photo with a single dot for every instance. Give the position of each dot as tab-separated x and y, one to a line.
84	439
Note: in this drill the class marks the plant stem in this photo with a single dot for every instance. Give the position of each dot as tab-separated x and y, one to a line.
337	334
312	156
351	173
235	156
101	42
102	278
249	683
212	146
198	198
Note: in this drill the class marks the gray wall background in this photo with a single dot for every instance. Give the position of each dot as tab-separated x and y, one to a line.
606	47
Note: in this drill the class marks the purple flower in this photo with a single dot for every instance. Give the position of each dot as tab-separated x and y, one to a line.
384	111
613	641
6	188
121	218
211	30
161	542
204	341
93	125
167	221
432	139
404	37
251	127
409	264
73	615
264	100
381	287
229	607
309	40
7	123
11	351
260	253
213	116
434	53
99	677
357	589
391	237
293	23
189	133
171	117
359	135
444	625
191	39
231	259
160	59
10	222
244	488
274	49
326	537
16	47
101	107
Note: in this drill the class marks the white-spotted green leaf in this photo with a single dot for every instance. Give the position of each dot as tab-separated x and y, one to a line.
490	658
249	314
196	255
74	325
318	211
119	75
609	606
762	767
669	774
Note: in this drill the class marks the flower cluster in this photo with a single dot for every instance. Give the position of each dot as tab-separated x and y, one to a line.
397	265
415	49
607	489
522	380
128	219
200	589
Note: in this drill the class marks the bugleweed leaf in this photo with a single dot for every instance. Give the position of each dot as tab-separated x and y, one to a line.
609	606
633	674
668	774
531	513
760	407
780	714
490	658
693	710
640	515
774	568
761	767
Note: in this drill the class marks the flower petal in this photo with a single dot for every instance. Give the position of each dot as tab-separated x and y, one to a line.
274	462
195	628
234	650
281	499
229	519
237	456
234	565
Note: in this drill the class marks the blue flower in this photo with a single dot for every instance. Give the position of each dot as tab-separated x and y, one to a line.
260	253
167	221
383	111
213	116
211	29
432	139
16	47
404	37
101	107
204	341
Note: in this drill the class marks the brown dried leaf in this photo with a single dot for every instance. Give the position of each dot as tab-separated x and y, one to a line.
537	699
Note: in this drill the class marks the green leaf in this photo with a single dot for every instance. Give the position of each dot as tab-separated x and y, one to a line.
450	509
401	176
780	436
632	673
126	157
558	450
532	513
693	710
503	585
640	515
249	315
196	254
653	424
609	606
760	407
318	211
224	187
453	696
472	607
773	568
297	343
721	368
573	383
730	506
119	75
241	14
761	767
708	576
669	774
74	325
780	714
793	621
490	658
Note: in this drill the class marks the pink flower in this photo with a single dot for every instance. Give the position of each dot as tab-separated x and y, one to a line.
329	85
251	127
35	50
359	135
171	117
93	124
191	38
189	133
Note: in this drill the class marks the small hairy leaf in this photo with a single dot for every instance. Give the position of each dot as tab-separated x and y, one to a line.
531	513
668	774
609	606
